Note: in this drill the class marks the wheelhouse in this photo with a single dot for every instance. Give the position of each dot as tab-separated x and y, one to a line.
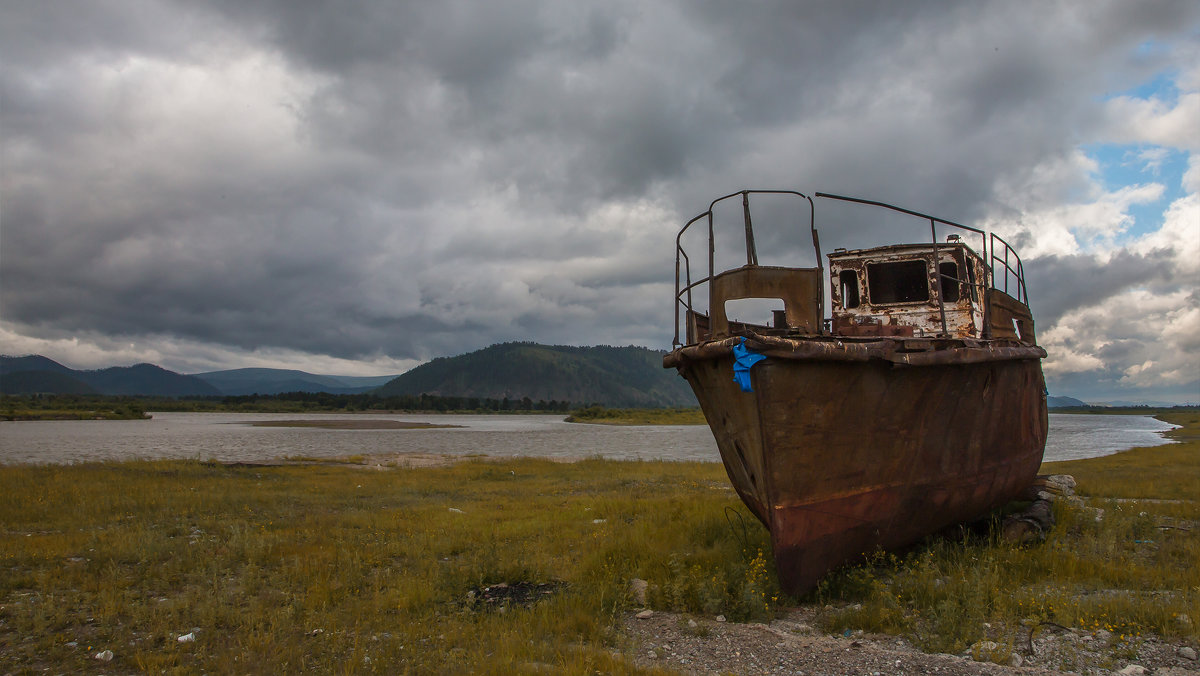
907	290
942	289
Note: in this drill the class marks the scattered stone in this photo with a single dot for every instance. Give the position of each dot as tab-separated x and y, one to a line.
1060	484
983	650
637	589
599	520
645	615
1133	670
499	596
105	656
1187	653
1015	660
1030	525
720	618
692	624
187	638
456	510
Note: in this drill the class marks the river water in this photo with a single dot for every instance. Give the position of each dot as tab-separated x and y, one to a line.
231	437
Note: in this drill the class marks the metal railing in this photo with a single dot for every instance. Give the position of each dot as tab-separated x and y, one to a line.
685	285
994	251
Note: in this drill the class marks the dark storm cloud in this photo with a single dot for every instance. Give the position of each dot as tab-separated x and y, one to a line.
1059	284
418	179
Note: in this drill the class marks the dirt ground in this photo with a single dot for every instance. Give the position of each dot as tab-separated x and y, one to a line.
793	645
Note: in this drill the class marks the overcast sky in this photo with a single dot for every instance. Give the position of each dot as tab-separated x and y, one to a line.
360	186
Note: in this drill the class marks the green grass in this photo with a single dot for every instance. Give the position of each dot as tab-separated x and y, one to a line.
348	570
638	416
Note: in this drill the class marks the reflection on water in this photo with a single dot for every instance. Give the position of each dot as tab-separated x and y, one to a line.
227	436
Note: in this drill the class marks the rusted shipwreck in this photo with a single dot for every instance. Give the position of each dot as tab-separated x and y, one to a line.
916	403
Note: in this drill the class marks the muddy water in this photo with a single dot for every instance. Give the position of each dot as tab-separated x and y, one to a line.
231	436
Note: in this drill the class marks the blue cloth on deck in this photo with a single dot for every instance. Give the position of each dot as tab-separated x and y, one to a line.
743	359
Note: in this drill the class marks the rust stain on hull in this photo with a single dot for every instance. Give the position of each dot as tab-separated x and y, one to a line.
850	438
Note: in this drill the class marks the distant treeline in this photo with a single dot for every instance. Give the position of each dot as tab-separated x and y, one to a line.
404	402
44	405
1126	410
70	407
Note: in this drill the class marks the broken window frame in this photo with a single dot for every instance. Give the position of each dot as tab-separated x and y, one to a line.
924	274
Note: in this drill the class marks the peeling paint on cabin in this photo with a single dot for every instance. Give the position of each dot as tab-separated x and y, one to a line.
895	291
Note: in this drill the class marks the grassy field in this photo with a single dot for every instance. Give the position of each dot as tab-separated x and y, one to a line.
638	416
337	569
351	570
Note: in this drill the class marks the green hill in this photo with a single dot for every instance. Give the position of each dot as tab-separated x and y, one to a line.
37	374
275	381
41	382
626	377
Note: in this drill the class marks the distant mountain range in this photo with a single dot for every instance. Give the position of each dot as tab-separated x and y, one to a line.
37	374
275	381
626	377
622	377
1063	402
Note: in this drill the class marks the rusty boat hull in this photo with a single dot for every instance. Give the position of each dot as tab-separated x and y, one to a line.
865	445
913	402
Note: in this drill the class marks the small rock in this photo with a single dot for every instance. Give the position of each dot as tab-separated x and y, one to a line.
1187	653
982	651
456	510
645	614
1015	660
720	618
105	656
599	520
187	638
637	589
1133	670
692	625
1062	484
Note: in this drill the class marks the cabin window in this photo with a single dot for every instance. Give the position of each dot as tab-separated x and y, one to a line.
849	288
752	312
898	282
971	282
948	281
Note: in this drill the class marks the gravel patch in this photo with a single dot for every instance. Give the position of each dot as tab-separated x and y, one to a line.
793	645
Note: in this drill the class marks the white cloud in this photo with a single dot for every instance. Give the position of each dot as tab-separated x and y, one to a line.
1047	226
1143	338
93	351
1152	158
1134	120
